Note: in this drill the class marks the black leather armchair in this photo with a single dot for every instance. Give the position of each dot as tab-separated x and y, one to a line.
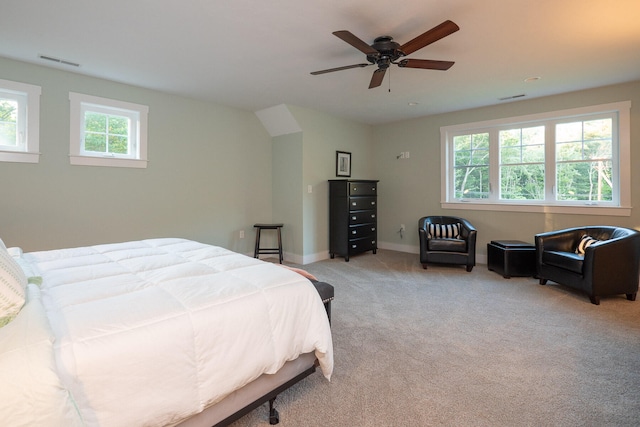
449	250
609	267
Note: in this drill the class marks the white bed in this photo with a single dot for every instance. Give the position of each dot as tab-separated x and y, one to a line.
155	332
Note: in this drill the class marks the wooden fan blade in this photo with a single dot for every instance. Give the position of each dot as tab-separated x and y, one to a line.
346	67
355	42
433	35
377	77
426	64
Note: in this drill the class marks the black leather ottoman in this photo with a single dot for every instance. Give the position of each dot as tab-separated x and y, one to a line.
511	258
326	292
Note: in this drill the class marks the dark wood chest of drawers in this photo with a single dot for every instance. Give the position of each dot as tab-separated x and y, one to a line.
353	217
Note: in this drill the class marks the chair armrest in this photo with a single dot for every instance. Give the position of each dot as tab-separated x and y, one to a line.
619	258
422	224
612	252
423	234
468	231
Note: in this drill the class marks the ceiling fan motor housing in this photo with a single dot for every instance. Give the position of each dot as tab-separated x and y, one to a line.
388	52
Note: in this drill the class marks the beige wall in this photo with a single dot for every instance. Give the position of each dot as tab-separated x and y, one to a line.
410	188
287	193
209	173
323	135
214	170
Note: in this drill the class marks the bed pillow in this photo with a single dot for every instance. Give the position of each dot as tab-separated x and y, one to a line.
585	242
29	270
13	283
445	231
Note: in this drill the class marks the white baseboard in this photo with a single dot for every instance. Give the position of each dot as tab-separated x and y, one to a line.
320	256
305	259
480	259
400	248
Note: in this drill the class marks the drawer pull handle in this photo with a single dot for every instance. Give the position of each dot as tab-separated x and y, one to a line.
354	246
354	232
354	204
373	216
373	203
353	218
373	229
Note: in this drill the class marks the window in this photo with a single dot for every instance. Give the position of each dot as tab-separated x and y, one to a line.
571	161
471	165
584	160
521	163
19	122
105	132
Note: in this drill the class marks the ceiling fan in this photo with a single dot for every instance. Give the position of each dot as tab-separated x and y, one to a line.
384	52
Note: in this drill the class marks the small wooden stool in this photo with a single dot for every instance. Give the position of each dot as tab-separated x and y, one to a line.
258	250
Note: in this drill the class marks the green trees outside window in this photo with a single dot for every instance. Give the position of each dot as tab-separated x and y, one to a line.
522	163
577	154
8	123
106	133
584	160
471	166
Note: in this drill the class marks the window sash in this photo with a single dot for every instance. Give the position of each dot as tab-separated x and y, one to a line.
133	119
25	128
15	125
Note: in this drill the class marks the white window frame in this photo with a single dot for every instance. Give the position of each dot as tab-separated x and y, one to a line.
138	114
28	98
621	206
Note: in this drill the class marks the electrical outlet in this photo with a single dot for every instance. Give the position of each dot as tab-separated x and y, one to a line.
242	234
406	154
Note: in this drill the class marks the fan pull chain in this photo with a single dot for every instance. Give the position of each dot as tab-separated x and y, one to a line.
389	79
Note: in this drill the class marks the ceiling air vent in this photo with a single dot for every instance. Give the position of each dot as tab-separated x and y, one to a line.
59	61
506	98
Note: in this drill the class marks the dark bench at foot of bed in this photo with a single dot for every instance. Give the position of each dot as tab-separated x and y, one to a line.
326	295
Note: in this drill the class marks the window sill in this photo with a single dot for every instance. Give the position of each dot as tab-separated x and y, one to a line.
509	207
19	157
107	161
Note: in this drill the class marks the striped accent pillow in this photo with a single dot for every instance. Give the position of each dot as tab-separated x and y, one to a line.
13	283
444	231
585	242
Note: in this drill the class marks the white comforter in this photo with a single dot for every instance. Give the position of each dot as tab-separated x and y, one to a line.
151	332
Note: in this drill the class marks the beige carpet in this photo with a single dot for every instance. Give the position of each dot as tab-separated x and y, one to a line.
443	347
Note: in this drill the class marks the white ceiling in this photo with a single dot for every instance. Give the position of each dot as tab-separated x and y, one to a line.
255	54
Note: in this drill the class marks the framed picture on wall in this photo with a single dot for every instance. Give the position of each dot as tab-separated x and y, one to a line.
343	163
